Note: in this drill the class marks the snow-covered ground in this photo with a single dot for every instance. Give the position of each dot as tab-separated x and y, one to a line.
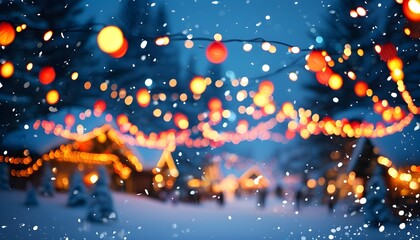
144	218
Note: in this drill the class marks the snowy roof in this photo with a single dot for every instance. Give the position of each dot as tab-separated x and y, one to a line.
401	148
37	141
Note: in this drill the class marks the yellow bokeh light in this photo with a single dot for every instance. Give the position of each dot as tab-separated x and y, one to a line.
7	70
335	82
48	35
74	76
198	85
29	66
217	37
110	39
52	97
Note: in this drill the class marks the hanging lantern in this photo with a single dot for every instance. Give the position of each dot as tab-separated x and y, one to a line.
411	9
316	61
216	52
46	75
110	39
387	51
214	104
360	88
69	120
143	97
122	51
52	97
266	87
335	82
7	33
324	75
198	85
7	69
181	121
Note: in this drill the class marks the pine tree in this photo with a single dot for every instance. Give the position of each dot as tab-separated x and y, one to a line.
4	177
101	206
68	51
77	194
47	183
377	210
31	196
361	34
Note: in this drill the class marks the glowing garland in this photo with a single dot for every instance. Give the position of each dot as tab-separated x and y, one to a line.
300	122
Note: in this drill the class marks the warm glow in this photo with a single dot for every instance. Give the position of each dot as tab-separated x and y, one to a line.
46	75
143	97
194	183
198	85
7	69
393	172
110	39
316	61
335	82
260	99
266	87
331	188
159	178
7	33
360	88
48	35
311	183
216	52
52	97
411	9
324	75
181	121
397	75
162	41
121	51
215	104
288	108
395	63
93	178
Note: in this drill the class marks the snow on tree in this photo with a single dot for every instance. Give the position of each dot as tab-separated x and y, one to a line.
31	196
377	210
77	194
101	206
47	183
4	177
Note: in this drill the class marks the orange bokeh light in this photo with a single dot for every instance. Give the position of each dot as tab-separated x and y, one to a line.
46	75
7	69
316	61
143	97
216	52
52	97
7	33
